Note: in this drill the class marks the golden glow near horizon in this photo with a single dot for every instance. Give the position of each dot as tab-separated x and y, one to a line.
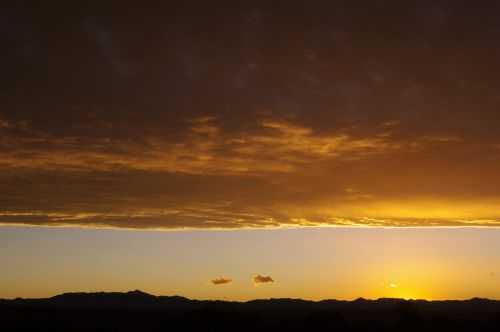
341	263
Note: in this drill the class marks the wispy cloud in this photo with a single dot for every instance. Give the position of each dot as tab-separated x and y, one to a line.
276	147
221	281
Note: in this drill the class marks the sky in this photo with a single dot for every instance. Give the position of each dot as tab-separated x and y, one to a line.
255	117
310	263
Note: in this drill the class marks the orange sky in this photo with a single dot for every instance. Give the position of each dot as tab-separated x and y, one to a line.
341	263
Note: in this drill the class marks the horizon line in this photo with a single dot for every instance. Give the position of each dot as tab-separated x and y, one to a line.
360	298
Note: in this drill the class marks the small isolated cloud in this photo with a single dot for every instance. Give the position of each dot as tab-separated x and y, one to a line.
262	279
221	281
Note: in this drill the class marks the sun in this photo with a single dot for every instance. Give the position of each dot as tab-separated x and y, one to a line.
396	290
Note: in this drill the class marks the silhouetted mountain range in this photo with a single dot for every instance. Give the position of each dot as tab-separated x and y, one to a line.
139	311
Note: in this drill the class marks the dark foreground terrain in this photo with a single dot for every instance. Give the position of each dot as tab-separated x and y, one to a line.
138	311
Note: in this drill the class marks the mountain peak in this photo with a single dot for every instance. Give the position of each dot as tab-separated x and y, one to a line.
138	292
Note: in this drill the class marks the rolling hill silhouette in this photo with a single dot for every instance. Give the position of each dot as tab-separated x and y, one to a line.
139	311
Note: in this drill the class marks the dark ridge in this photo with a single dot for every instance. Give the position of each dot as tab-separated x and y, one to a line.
139	311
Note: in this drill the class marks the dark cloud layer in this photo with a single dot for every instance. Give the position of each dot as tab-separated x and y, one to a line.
257	115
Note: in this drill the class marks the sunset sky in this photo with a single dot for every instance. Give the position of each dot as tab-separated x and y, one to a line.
334	149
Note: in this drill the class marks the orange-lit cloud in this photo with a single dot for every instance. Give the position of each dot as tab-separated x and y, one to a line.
276	147
270	175
276	174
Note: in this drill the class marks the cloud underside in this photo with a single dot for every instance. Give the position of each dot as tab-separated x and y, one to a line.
162	222
277	174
